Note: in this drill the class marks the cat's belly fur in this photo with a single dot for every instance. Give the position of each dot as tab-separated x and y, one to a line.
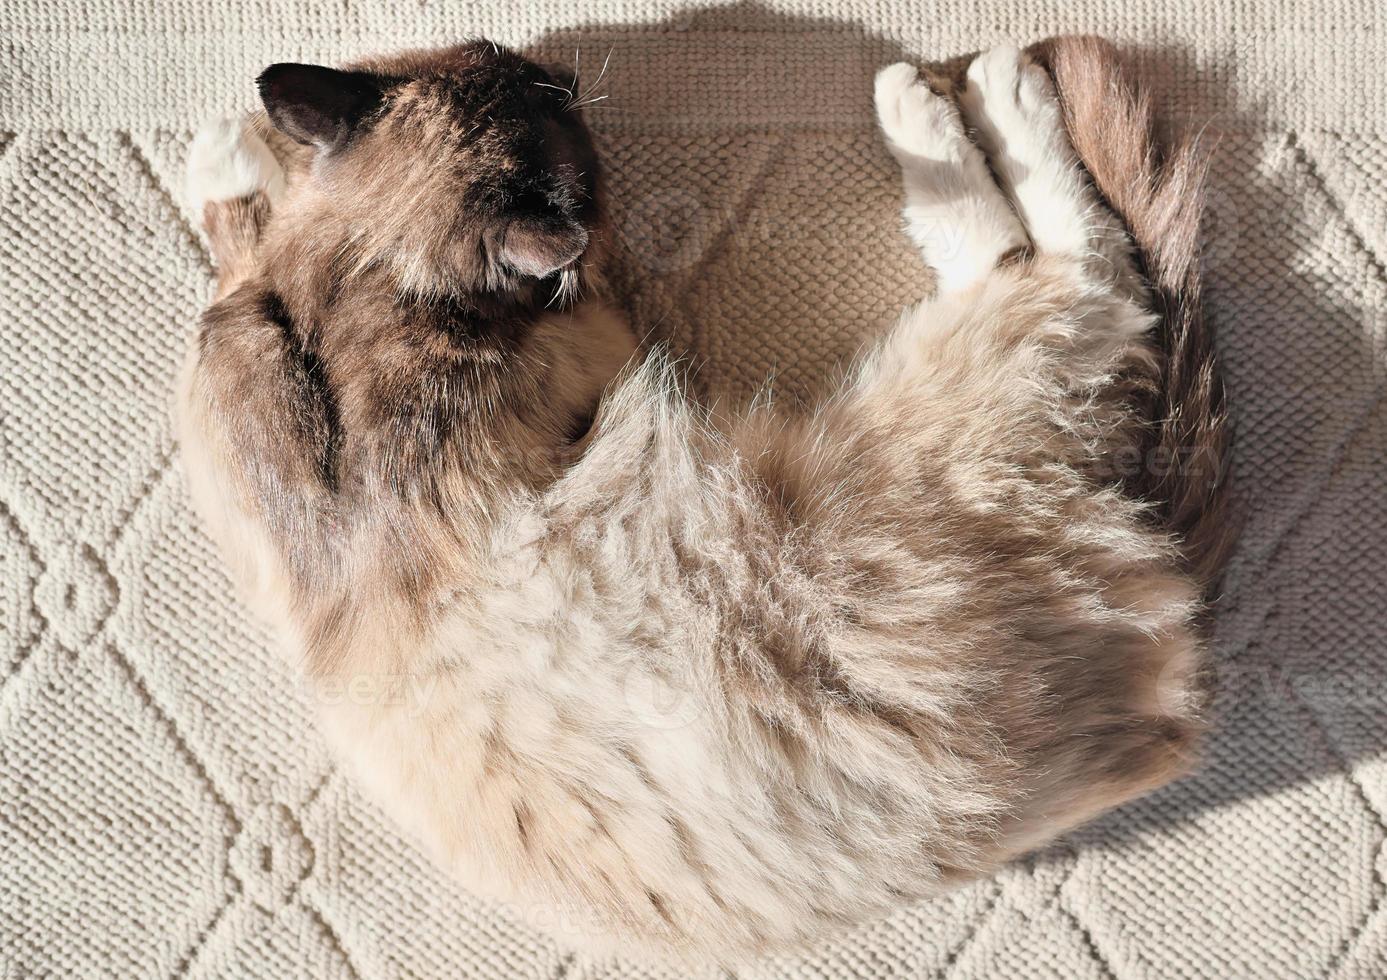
604	769
642	814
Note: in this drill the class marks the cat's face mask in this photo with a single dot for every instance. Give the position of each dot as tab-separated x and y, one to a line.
467	170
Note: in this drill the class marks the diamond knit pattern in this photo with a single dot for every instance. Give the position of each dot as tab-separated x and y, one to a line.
166	806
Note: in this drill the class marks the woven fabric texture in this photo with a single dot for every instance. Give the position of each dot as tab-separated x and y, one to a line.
166	807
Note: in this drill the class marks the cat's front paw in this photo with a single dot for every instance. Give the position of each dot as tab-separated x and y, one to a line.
915	119
228	161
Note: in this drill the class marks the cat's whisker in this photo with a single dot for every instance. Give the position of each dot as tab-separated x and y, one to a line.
598	80
556	88
577	72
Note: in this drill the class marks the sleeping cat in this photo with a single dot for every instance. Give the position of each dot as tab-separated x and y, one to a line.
701	685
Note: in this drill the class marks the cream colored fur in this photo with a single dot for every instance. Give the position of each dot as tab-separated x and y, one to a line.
227	161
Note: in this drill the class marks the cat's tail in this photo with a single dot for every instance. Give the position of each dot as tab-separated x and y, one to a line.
233	182
1158	192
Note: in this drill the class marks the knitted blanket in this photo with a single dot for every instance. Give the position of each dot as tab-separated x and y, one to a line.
166	806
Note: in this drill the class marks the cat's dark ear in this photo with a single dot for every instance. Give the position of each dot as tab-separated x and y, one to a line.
316	105
539	246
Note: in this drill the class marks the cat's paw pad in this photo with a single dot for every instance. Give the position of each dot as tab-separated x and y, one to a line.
915	119
1015	89
227	161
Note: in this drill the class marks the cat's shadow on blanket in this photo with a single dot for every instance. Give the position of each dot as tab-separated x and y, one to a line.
1267	738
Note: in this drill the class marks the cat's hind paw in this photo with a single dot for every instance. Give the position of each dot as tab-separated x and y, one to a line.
1019	90
228	161
954	211
915	119
1010	102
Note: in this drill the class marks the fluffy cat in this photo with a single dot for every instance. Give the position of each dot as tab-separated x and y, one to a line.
697	685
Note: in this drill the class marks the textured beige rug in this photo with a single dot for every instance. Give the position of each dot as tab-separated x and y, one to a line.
166	808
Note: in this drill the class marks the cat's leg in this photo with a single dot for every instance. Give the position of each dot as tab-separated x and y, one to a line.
954	210
233	182
1010	103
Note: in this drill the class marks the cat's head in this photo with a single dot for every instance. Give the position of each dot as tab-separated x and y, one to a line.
466	170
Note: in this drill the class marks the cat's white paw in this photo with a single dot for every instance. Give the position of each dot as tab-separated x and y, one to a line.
915	119
1010	102
954	211
227	161
1017	92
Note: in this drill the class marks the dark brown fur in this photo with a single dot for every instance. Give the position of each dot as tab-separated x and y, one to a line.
380	335
1158	192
